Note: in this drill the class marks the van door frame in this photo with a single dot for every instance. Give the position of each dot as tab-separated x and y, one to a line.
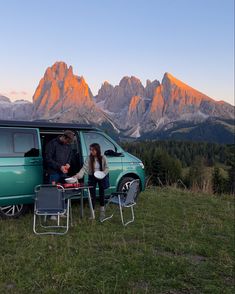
59	132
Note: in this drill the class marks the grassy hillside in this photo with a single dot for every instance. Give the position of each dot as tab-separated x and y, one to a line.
180	243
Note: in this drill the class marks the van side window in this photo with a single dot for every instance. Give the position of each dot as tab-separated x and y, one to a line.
18	143
5	143
23	142
105	144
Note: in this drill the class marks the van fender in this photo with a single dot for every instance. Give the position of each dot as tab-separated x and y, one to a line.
126	174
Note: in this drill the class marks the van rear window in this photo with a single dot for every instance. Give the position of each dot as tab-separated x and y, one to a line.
18	143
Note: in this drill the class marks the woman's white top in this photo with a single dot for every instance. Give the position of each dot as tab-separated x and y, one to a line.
86	169
97	165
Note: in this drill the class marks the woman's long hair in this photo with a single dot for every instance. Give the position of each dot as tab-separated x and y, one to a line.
95	146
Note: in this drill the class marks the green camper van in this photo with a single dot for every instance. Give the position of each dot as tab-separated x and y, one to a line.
22	146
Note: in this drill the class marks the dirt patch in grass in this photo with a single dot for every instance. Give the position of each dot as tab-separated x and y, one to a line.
140	286
191	257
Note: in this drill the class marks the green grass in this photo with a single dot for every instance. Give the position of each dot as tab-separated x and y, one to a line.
180	243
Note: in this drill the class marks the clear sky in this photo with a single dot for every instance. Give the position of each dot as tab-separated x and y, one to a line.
107	39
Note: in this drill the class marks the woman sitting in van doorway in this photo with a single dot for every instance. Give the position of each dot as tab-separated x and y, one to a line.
95	162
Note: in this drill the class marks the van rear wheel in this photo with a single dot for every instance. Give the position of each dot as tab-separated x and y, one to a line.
12	211
124	184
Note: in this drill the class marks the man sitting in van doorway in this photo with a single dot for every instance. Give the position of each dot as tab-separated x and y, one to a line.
58	157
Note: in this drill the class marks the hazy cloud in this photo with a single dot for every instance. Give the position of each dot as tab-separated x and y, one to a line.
18	93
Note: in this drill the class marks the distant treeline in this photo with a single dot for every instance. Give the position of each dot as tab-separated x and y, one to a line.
200	166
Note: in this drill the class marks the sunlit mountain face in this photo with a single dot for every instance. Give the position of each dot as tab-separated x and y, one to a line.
130	110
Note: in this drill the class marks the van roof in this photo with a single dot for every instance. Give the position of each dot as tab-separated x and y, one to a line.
45	125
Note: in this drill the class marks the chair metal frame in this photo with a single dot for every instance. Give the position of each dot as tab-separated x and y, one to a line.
47	212
115	198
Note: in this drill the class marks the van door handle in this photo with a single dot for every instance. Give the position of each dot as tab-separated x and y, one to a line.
34	161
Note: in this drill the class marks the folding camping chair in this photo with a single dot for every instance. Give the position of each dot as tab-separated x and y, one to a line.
50	201
124	200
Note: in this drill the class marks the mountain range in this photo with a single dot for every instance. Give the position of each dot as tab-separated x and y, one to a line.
169	109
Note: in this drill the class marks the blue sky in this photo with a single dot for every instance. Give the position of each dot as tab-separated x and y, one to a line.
107	39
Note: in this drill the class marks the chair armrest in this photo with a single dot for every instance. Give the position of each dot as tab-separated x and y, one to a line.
118	193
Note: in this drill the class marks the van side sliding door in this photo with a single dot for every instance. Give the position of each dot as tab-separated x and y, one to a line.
20	164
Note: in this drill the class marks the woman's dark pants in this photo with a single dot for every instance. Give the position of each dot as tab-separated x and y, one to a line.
93	181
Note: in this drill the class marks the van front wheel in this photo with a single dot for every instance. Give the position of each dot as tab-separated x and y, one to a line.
124	184
12	211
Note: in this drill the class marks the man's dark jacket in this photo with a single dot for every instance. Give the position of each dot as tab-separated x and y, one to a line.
56	155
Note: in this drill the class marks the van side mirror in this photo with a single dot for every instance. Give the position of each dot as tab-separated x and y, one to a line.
112	153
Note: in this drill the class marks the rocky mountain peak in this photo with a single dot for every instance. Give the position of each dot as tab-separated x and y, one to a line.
58	71
106	84
15	110
129	80
104	92
170	81
131	86
168	76
117	98
128	107
4	99
134	102
60	90
150	88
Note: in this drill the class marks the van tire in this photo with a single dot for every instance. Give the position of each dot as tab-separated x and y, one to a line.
12	211
124	184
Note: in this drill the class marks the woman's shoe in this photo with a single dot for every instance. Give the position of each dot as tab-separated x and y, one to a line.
102	215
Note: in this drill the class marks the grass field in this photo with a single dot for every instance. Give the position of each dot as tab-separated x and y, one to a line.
180	243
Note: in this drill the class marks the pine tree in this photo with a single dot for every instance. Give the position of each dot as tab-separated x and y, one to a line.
231	174
197	173
217	181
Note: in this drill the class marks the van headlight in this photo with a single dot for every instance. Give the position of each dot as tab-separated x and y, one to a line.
137	163
141	164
